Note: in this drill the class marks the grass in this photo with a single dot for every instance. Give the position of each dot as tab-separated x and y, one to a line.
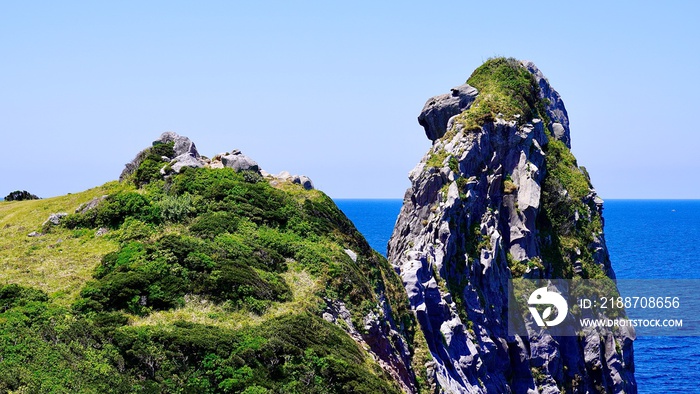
437	159
562	166
201	311
505	88
59	262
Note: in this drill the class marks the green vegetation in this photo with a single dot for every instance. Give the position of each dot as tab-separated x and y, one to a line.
506	88
20	195
569	219
208	281
149	169
59	262
437	159
47	348
509	187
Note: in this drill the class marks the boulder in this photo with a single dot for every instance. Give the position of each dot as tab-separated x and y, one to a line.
182	146
185	160
92	204
55	218
304	181
439	109
239	162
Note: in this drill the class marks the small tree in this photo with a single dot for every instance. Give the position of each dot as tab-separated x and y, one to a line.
22	195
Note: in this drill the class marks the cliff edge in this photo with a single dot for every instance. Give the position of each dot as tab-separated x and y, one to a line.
499	195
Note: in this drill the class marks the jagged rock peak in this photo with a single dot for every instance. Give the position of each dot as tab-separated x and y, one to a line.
440	112
500	195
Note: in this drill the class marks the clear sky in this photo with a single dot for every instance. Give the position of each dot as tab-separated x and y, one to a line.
332	89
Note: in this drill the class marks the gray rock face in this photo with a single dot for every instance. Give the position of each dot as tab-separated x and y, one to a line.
439	109
186	154
185	160
559	119
239	162
378	336
182	146
457	229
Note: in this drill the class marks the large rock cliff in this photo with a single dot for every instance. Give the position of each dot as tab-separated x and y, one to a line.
499	195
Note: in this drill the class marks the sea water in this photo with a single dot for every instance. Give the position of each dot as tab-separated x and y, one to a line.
647	239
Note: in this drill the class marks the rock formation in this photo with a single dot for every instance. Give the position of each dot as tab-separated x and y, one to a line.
185	154
239	162
499	195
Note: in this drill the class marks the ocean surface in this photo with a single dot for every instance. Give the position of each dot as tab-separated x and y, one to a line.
647	239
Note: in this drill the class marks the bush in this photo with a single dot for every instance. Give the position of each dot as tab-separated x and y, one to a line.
289	354
142	277
16	295
149	168
175	209
114	210
211	224
22	195
134	229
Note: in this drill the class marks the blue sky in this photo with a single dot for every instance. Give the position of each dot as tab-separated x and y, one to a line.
332	89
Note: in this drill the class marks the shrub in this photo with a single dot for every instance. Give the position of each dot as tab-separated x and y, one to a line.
134	229
509	186
16	295
149	168
114	210
175	209
20	195
211	224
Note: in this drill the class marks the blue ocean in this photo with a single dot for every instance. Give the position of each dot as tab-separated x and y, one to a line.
647	239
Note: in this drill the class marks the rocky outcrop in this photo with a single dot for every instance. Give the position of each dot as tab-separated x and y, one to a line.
239	162
438	110
285	176
494	202
55	218
185	155
92	204
558	117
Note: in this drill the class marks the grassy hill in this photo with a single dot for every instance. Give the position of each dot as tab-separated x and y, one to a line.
209	280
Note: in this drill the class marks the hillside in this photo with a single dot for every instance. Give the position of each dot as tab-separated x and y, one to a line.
198	275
